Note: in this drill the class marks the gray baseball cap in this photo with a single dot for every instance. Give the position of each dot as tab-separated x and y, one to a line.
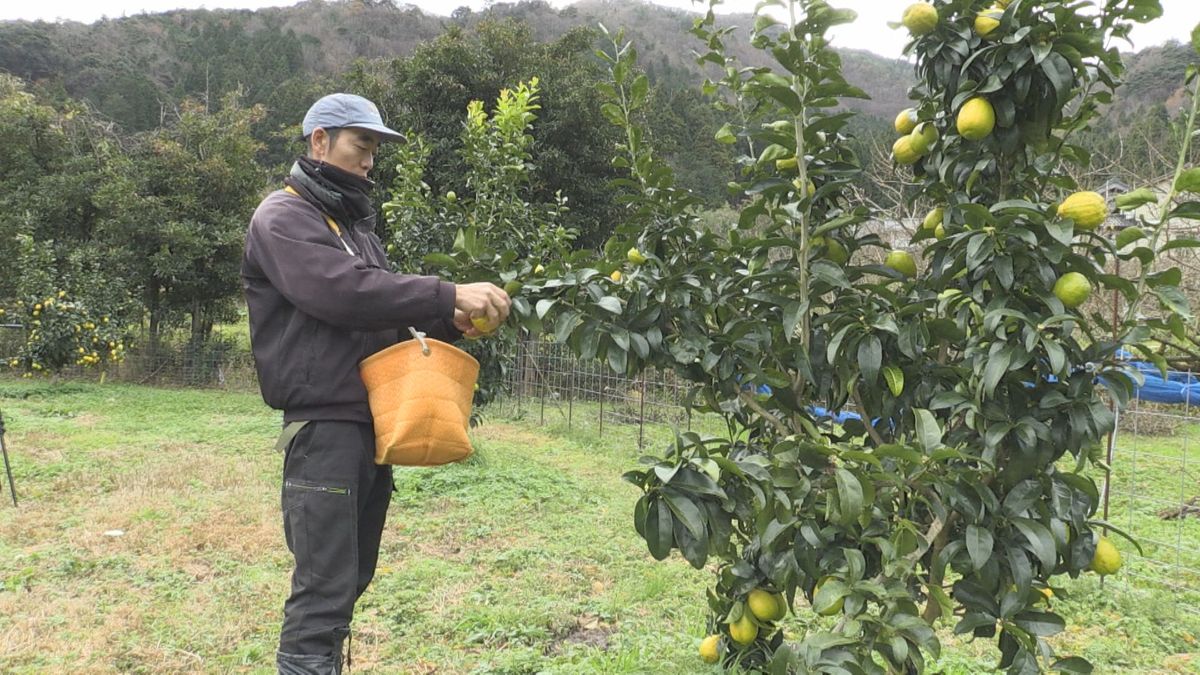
347	110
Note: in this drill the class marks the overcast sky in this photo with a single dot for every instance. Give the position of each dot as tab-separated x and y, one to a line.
869	32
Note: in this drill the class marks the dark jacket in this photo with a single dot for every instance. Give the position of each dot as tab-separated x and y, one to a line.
316	310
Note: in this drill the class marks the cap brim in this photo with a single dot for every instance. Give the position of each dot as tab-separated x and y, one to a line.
388	134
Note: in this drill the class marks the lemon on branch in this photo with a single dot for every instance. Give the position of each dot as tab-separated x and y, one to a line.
902	262
920	18
906	121
1072	289
1087	209
1107	559
976	119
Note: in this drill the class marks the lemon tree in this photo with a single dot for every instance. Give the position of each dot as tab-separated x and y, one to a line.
488	230
965	482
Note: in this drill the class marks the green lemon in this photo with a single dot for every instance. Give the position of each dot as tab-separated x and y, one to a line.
1073	289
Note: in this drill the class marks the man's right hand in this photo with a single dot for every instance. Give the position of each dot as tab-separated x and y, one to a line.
482	300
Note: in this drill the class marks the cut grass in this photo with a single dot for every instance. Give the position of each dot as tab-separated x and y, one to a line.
521	560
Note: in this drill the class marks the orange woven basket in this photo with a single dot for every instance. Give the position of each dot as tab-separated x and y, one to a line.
420	393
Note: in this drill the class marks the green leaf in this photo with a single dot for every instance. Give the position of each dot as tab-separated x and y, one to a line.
1188	180
1040	540
1042	624
870	357
686	511
610	304
1077	664
850	495
895	379
440	260
659	529
725	135
929	432
979	545
829	594
1136	198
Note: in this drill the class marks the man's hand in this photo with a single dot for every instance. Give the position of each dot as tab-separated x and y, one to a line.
483	300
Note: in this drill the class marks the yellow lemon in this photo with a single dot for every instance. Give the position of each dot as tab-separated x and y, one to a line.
811	187
987	21
539	269
933	219
1107	559
635	256
766	606
920	18
787	164
903	152
976	119
744	630
615	276
1087	209
1072	289
710	649
484	325
906	121
902	262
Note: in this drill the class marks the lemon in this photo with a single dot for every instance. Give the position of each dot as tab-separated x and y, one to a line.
812	188
513	287
615	276
1087	209
920	18
976	119
451	197
923	137
1129	235
1073	289
484	325
906	121
1107	559
939	232
902	262
710	649
786	164
1047	593
635	256
766	606
539	269
834	251
835	608
744	630
987	21
903	152
933	219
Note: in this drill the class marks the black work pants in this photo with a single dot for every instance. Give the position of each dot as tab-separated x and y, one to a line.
335	500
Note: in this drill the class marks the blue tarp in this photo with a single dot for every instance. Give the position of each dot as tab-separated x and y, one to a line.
1179	387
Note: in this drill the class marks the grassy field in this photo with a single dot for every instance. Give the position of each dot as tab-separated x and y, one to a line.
522	560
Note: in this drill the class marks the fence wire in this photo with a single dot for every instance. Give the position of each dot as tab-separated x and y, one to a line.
1152	493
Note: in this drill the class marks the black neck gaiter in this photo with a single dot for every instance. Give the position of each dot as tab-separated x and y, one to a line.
339	193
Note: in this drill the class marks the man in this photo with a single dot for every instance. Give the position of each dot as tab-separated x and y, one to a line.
321	299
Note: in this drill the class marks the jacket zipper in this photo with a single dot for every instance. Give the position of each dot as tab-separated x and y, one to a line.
318	488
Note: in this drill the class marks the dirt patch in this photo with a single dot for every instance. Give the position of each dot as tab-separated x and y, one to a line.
589	630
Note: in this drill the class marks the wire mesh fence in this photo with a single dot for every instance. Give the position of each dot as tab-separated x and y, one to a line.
1153	492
